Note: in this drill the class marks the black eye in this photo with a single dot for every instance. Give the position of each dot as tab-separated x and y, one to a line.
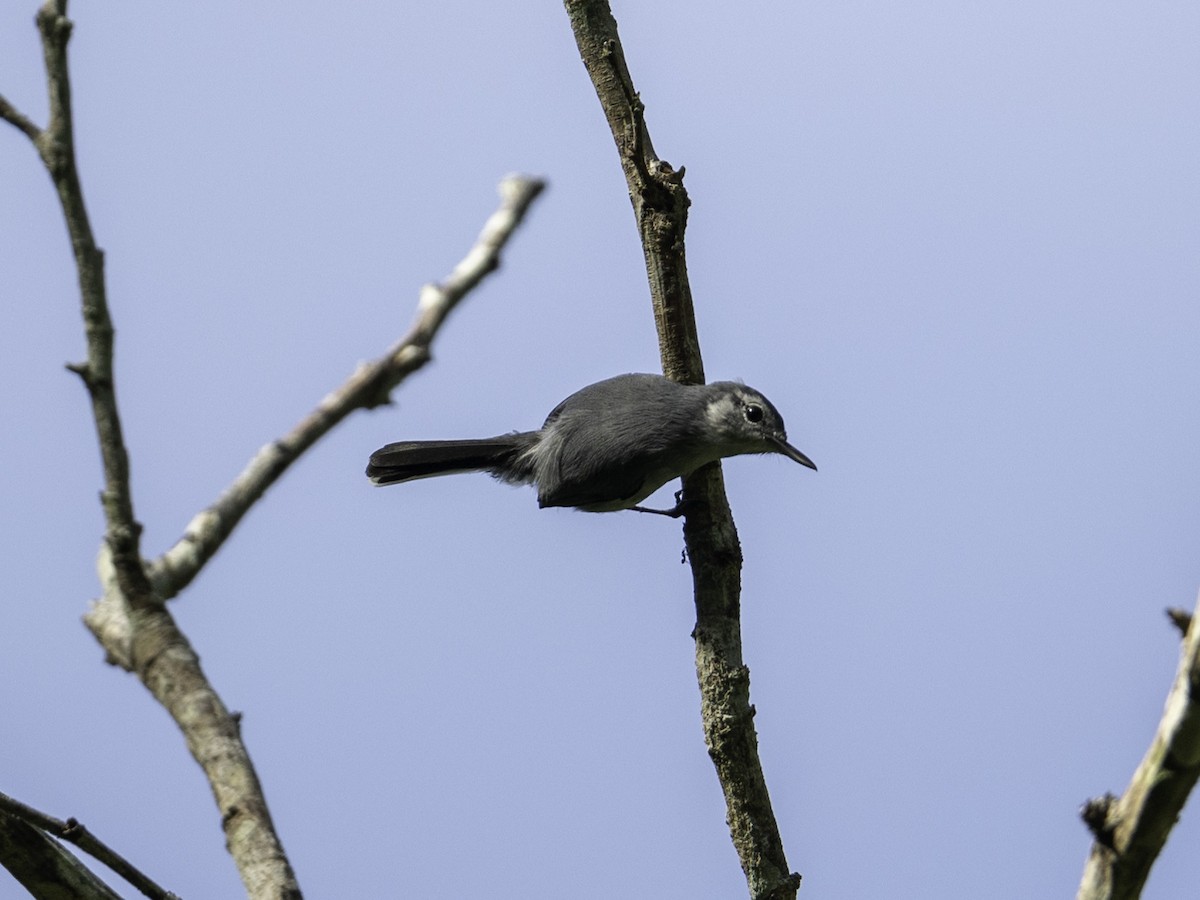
754	413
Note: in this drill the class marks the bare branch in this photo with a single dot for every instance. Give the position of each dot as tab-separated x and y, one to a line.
1130	831
56	146
152	645
148	641
77	834
660	206
131	621
368	387
660	202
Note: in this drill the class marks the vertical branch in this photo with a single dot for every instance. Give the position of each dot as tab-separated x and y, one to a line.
660	205
660	202
56	146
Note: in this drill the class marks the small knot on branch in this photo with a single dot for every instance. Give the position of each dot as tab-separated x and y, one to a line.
784	890
663	171
1096	815
74	830
53	23
83	370
1181	619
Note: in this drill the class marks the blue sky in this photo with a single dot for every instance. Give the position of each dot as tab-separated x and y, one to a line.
954	243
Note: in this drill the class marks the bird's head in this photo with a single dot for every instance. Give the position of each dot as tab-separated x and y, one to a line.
744	421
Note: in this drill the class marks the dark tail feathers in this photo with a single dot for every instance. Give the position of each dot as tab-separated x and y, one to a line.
407	460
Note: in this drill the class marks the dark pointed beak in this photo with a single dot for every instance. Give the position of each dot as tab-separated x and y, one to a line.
792	453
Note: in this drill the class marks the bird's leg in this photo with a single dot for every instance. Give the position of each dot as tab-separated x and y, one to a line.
680	508
675	512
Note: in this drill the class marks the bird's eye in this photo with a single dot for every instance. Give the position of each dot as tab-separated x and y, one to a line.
754	412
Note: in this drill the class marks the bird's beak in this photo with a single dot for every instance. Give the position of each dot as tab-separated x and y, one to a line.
792	453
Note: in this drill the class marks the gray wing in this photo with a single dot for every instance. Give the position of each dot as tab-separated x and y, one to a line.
612	438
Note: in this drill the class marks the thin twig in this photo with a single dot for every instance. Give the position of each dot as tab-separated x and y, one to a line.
11	114
56	146
660	206
1131	830
73	831
369	386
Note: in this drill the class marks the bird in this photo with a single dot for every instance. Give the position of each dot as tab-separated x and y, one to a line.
608	446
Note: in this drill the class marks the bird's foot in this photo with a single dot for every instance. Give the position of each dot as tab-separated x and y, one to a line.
682	507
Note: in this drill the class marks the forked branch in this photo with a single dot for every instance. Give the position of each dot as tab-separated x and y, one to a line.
150	643
131	621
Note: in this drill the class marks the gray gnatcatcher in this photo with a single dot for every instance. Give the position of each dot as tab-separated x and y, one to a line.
610	445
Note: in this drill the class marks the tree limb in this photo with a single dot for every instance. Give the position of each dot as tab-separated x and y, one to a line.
131	621
148	641
1130	831
660	205
56	147
369	386
154	647
77	834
